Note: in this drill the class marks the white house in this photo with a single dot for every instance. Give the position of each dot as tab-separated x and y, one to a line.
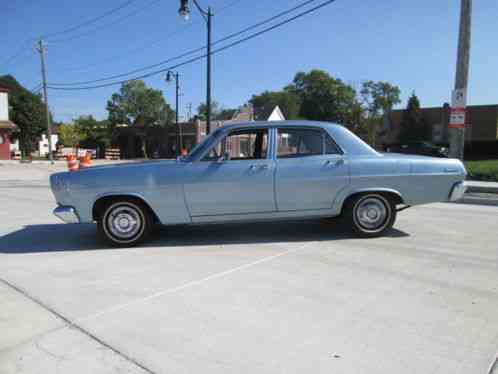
14	146
276	115
43	144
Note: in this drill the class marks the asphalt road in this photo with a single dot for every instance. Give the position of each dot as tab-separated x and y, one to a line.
295	297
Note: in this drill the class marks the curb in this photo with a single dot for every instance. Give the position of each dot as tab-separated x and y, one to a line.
482	189
475	200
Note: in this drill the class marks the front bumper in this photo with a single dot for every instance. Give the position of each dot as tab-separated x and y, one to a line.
67	214
457	191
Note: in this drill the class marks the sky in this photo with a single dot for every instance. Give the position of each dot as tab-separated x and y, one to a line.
411	44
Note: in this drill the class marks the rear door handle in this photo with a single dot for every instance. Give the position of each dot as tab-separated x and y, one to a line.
259	167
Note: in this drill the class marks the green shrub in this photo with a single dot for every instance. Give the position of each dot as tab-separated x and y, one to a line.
483	170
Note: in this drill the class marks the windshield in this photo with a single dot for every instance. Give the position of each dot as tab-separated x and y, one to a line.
200	148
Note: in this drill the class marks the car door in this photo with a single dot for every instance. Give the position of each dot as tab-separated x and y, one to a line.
310	169
236	176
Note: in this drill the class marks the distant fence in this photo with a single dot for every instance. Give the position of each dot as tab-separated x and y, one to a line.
112	154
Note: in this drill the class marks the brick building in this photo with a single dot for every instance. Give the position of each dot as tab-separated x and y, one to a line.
481	134
6	126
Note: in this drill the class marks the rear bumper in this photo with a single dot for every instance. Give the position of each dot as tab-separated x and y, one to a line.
67	214
457	191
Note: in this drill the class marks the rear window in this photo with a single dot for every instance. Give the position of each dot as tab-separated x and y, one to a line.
304	142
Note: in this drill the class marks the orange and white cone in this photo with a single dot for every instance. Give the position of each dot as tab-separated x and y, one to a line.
86	161
72	163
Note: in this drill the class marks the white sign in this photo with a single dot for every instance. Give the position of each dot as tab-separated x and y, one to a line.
459	98
457	118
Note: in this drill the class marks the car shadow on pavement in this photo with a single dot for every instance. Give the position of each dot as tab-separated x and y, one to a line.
82	237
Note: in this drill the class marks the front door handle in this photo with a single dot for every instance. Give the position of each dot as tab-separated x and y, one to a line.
334	162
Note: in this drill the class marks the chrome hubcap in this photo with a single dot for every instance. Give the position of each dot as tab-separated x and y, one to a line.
371	213
124	222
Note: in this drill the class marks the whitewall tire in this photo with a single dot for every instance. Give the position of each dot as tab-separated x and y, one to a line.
124	223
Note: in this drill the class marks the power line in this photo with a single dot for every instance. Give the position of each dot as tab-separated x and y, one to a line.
233	44
142	46
101	27
22	50
90	21
191	52
36	88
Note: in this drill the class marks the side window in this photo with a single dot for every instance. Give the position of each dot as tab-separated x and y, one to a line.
299	143
214	153
241	145
331	148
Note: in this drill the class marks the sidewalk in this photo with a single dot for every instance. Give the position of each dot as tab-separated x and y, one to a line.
482	187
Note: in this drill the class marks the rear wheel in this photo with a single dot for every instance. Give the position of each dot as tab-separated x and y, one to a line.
124	223
370	215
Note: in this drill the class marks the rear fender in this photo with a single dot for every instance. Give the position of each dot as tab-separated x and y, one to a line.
345	194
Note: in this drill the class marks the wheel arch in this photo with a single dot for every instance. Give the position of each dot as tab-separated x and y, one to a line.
396	195
104	200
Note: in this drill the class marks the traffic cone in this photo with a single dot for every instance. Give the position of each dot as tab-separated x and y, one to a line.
86	161
72	163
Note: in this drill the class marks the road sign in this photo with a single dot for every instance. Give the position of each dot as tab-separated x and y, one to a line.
459	98
457	118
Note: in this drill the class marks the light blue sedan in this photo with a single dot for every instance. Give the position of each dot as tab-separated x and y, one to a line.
257	171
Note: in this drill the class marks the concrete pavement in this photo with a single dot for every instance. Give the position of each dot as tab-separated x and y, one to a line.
269	298
482	187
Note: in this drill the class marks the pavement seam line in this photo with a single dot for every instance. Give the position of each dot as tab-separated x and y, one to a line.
493	369
72	324
189	284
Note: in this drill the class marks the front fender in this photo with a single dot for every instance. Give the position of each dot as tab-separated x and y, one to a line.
123	195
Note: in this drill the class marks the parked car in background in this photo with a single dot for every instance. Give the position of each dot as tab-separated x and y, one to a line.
257	171
418	148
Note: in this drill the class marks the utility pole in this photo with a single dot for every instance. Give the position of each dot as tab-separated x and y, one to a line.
208	88
459	97
41	50
177	108
184	11
189	111
179	135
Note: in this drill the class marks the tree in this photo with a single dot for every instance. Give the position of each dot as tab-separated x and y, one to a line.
141	107
413	126
225	114
202	109
69	136
94	133
288	102
218	113
377	99
27	111
323	98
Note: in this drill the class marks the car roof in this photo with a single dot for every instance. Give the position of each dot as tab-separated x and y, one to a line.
349	142
298	123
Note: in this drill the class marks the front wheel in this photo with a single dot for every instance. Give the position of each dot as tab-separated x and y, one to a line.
124	223
371	215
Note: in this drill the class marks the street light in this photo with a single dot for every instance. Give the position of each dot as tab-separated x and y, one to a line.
170	75
184	11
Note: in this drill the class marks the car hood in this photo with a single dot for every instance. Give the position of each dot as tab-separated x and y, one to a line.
115	176
129	164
